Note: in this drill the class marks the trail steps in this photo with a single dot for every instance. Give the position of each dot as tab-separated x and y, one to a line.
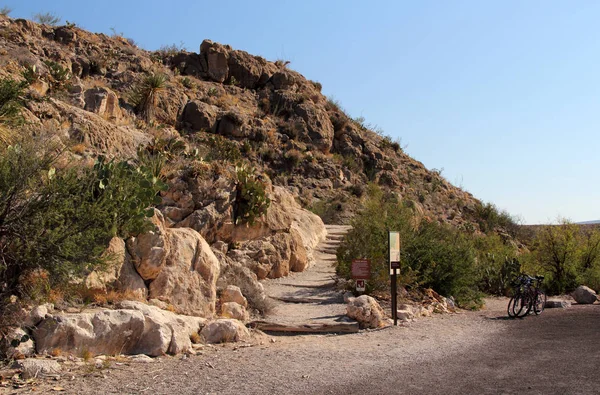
309	302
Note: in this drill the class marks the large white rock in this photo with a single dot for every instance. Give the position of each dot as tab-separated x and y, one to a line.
233	294
180	265
584	295
366	311
24	348
120	274
37	368
224	330
235	311
135	328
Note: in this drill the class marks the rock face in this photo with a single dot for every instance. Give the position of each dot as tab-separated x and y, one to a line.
584	295
198	115
120	273
134	328
224	331
23	349
366	311
103	102
179	265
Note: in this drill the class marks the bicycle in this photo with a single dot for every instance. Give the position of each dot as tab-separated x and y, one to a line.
528	297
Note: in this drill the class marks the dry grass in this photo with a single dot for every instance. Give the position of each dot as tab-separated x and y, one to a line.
86	354
56	352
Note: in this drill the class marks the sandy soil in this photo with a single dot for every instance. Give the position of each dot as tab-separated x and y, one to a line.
471	352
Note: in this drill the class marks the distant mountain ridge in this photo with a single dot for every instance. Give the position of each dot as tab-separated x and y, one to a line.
589	222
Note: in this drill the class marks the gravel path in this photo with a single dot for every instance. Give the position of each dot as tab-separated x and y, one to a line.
472	352
310	297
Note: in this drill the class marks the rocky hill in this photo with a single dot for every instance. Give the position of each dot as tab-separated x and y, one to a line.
217	116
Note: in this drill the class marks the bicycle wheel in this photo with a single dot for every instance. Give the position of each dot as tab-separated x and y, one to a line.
522	305
511	306
540	302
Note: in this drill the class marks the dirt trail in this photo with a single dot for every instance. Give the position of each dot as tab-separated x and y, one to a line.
309	301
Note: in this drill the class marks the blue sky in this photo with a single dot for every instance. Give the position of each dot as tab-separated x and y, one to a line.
503	95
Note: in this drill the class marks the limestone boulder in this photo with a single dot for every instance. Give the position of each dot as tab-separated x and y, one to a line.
102	101
179	265
235	311
319	127
233	294
224	331
104	332
216	57
149	251
134	328
366	311
38	368
197	116
120	274
16	344
188	279
249	71
584	295
37	314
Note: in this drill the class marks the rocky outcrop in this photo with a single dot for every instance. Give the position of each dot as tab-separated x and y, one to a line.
104	102
179	265
120	274
366	311
224	331
197	115
134	328
584	295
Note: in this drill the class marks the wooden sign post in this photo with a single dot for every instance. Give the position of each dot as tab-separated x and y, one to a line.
394	261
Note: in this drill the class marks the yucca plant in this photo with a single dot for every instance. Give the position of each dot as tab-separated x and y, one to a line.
145	94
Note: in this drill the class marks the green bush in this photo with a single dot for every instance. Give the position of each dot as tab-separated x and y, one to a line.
222	148
60	221
488	217
251	198
433	255
568	255
11	103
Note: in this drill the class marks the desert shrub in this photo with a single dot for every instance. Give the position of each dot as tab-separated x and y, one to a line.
5	11
171	49
144	95
488	217
497	264
60	221
47	18
251	197
11	103
293	158
567	254
59	75
188	83
222	148
433	255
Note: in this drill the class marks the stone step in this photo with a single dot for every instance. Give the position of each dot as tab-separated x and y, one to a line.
337	327
309	299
